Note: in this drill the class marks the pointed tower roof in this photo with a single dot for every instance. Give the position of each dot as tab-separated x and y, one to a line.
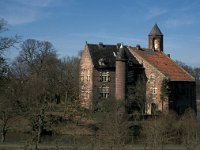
155	30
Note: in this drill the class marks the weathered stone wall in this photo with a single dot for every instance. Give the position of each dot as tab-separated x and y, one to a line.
86	79
153	85
97	83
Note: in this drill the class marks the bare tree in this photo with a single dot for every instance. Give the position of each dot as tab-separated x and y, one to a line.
159	130
6	42
33	71
7	115
6	111
190	129
112	125
46	82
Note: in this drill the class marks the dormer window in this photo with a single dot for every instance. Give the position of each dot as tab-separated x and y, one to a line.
101	62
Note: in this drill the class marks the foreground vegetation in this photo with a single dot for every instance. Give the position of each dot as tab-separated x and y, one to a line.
64	147
112	129
39	98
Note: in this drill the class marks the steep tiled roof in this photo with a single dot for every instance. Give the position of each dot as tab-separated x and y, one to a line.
155	30
107	55
103	53
164	64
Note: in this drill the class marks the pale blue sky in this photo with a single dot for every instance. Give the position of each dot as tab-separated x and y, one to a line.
69	23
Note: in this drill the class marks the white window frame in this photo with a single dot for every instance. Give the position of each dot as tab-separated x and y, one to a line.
104	91
104	77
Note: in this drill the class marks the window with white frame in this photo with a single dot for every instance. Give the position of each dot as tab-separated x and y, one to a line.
82	77
88	77
104	77
104	91
154	90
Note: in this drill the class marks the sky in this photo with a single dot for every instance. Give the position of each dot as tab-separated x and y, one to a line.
68	24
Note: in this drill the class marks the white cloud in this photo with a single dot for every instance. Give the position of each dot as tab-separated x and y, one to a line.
155	12
18	12
180	19
20	16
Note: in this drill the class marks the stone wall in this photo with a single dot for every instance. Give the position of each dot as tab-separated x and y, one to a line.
86	79
98	83
153	86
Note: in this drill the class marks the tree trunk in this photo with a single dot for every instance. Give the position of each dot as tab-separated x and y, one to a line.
40	122
39	135
3	137
36	145
3	129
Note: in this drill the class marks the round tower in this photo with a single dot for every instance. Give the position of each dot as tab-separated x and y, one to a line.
156	39
120	74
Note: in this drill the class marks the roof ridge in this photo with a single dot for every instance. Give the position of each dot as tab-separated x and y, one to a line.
179	74
178	65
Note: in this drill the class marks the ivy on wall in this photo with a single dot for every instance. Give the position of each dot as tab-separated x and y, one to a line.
165	90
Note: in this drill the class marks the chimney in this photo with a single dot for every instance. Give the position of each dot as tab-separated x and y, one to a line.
138	47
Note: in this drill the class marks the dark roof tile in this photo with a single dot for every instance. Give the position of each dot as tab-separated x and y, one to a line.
103	54
155	30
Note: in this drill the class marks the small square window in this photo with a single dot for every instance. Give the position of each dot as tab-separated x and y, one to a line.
105	77
104	91
82	78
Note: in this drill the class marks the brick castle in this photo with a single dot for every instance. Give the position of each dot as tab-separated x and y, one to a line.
109	71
